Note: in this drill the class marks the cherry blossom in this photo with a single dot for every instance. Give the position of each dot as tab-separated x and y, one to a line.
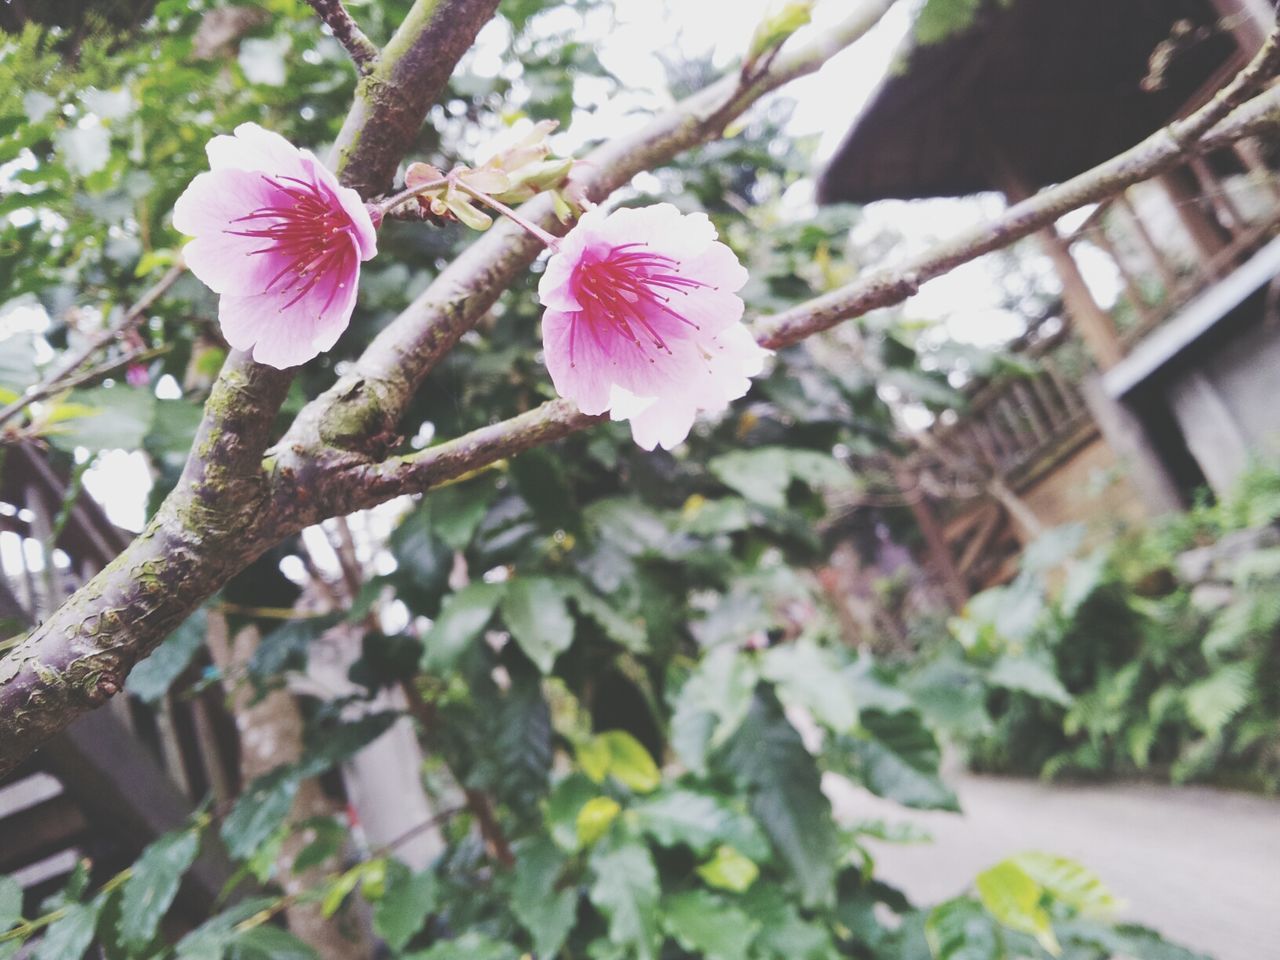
280	240
643	320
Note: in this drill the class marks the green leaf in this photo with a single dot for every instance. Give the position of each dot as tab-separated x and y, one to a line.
1031	674
625	890
456	510
961	929
404	908
1212	702
810	678
1013	897
769	760
469	946
151	679
774	30
764	474
104	418
630	634
537	900
595	817
69	936
463	617
617	753
897	758
210	940
729	870
259	812
940	19
10	902
700	821
1069	882
150	889
18	360
534	609
705	924
721	688
265	942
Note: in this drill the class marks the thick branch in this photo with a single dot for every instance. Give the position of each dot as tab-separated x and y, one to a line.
347	32
216	522
366	486
371	400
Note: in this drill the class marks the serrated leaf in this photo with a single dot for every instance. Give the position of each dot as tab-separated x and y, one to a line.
469	946
404	908
961	929
809	677
720	688
700	821
768	759
630	634
150	889
265	942
151	678
1031	674
542	907
259	812
463	617
705	924
626	890
68	937
534	610
897	758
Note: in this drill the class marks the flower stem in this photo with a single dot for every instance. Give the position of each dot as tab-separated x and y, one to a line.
552	242
386	206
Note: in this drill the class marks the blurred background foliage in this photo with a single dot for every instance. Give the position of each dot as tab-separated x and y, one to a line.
631	656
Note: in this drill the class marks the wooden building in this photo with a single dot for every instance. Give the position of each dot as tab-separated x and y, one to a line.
1168	386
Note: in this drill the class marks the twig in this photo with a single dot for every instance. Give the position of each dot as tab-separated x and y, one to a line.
365	485
62	378
362	50
1252	78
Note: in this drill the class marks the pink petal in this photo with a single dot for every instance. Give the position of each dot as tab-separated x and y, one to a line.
663	227
210	205
253	148
284	335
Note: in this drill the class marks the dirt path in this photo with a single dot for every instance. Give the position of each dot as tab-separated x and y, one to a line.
1200	865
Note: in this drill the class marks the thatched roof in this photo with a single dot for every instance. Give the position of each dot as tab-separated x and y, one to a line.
1052	87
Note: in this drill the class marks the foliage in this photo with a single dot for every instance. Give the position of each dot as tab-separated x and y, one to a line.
1157	654
626	657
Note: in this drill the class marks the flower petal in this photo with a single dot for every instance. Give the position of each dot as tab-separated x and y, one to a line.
256	149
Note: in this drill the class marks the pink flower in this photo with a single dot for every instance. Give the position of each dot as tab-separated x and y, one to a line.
280	239
643	321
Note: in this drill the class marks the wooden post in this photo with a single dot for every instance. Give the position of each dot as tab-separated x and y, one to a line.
1093	323
953	585
1124	434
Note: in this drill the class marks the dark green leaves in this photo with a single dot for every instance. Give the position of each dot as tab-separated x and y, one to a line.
535	610
150	680
150	890
625	889
897	758
404	907
768	758
545	908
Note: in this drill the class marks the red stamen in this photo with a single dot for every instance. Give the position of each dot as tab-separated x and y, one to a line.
306	226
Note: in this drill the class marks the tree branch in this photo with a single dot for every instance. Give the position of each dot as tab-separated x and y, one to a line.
371	400
215	523
362	50
367	485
